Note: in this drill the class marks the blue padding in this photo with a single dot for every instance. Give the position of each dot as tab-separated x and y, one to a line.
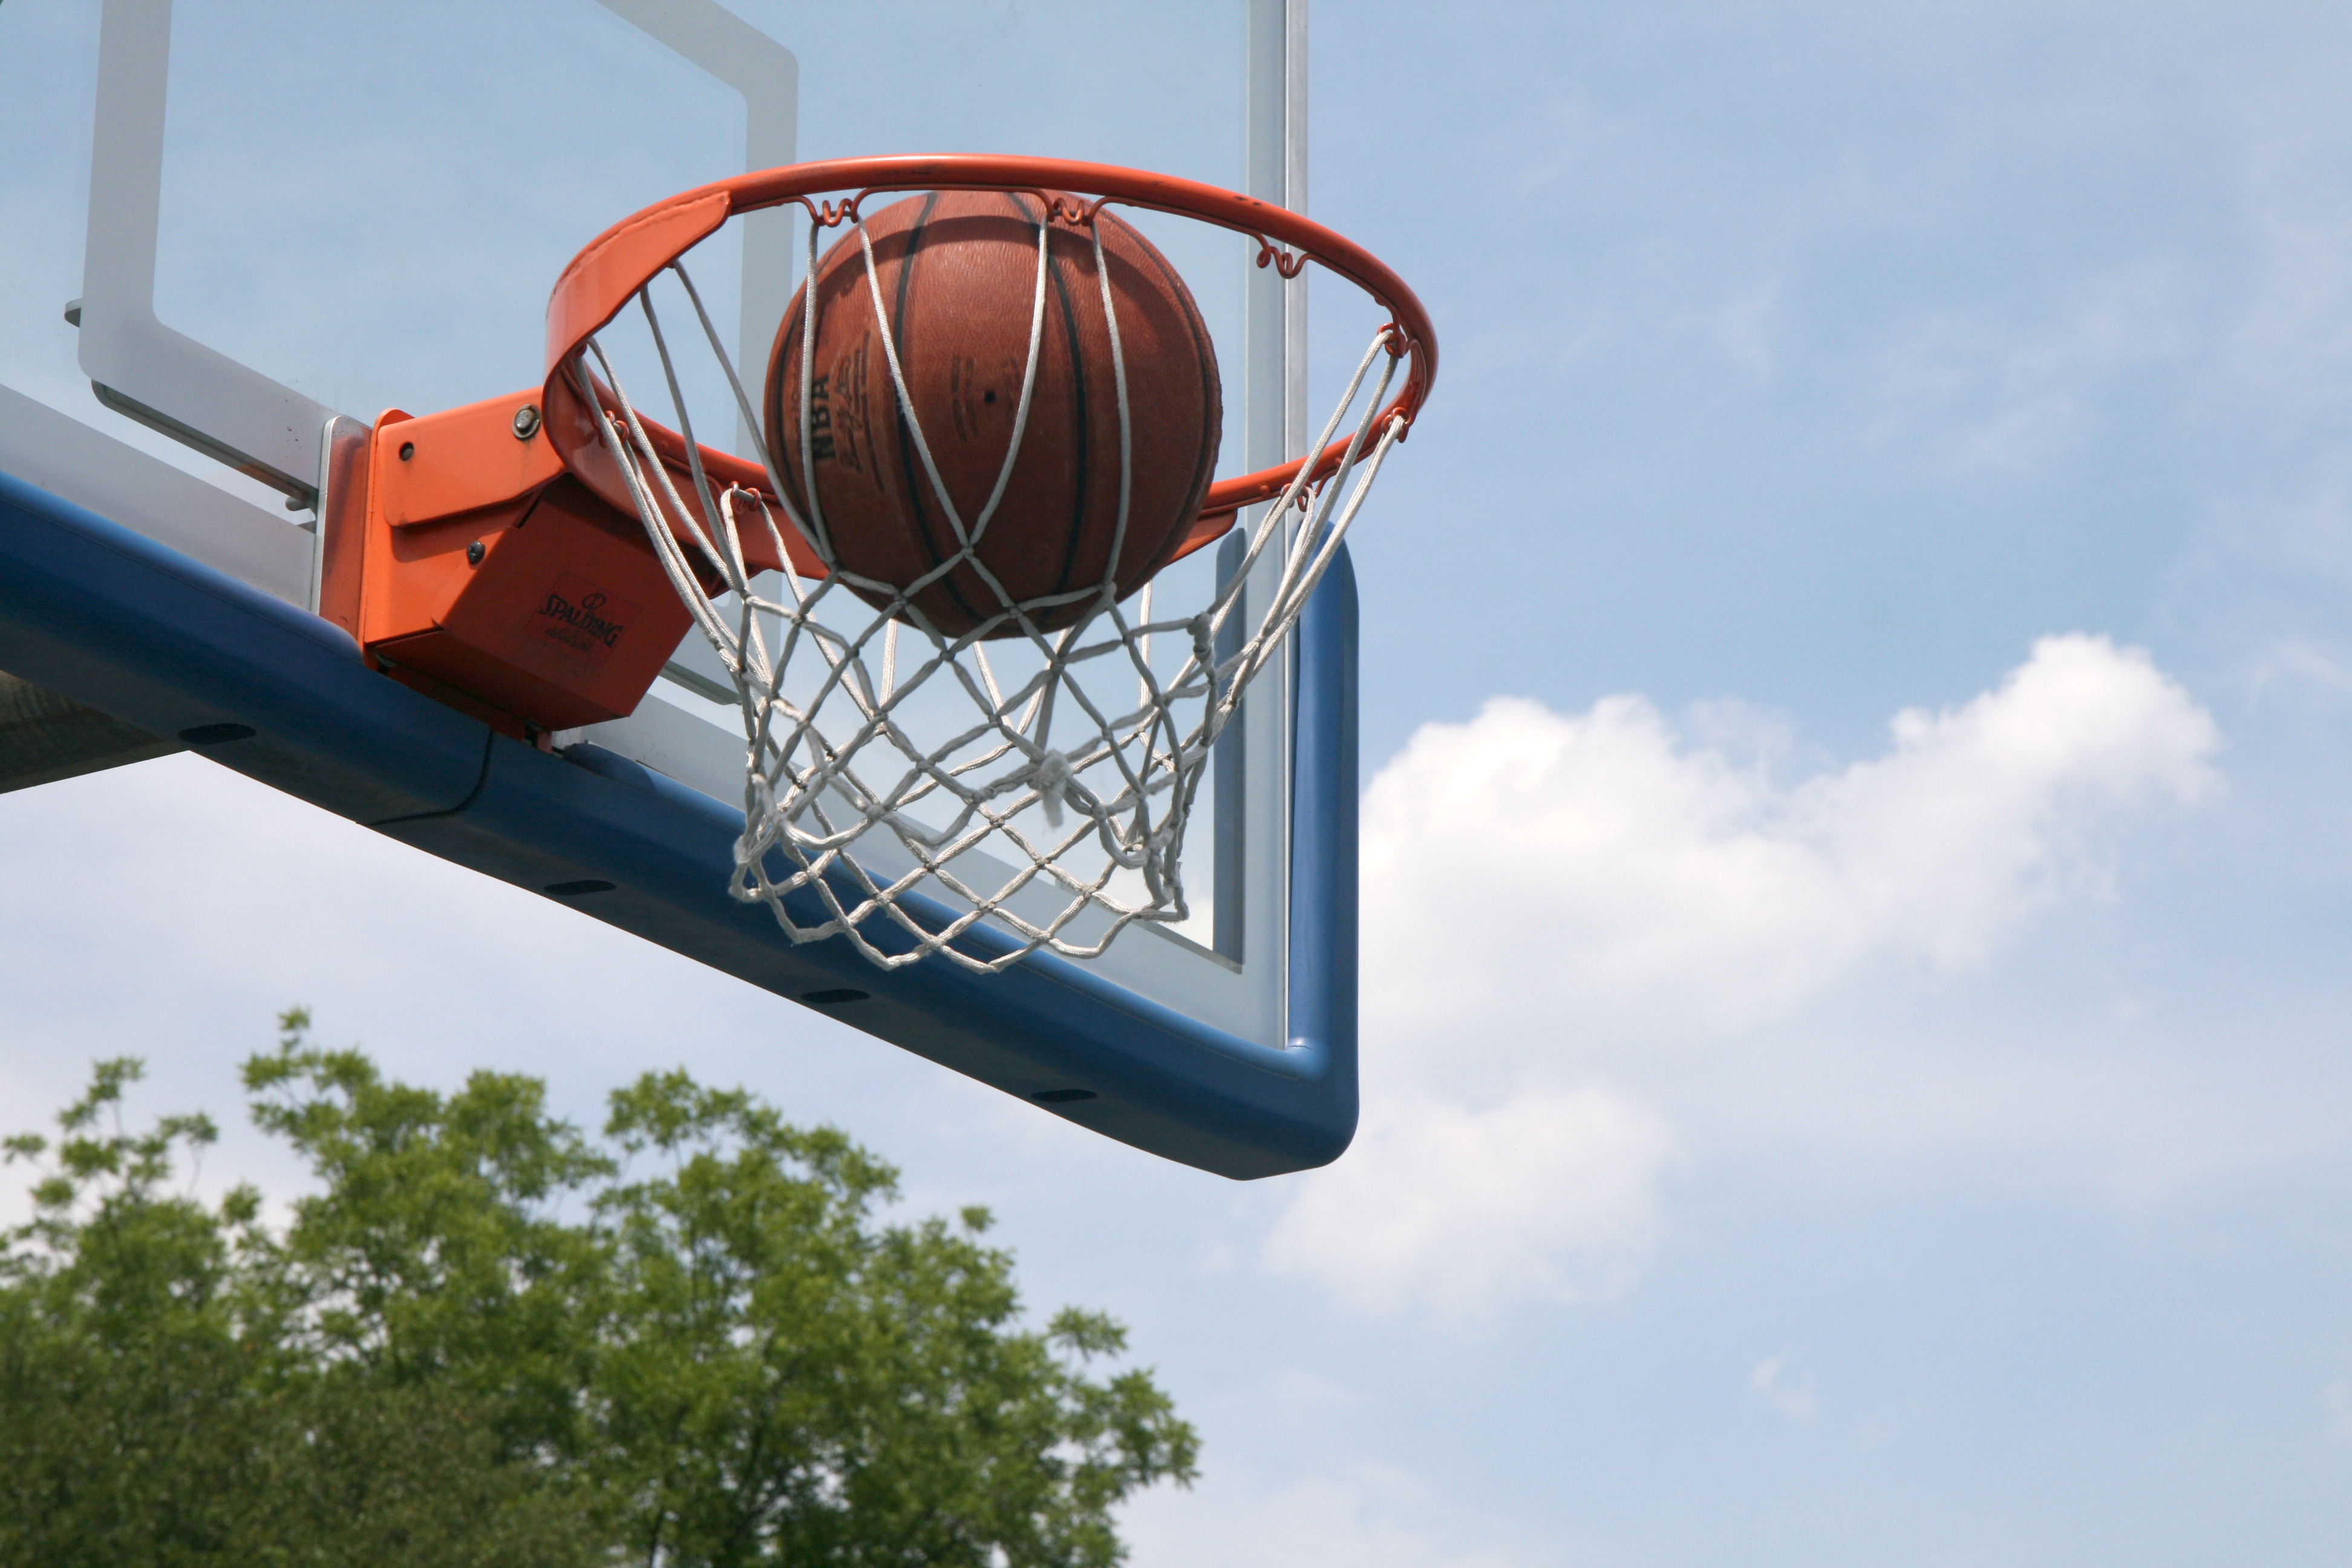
1323	836
109	618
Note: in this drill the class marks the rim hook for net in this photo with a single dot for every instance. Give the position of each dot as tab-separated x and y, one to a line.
833	215
1077	214
1289	263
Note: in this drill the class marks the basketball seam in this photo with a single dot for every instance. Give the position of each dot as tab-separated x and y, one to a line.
778	368
1081	423
916	492
1212	401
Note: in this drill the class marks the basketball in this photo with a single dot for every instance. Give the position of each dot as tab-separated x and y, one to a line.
957	273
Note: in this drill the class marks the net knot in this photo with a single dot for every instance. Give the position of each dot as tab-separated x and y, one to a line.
1050	779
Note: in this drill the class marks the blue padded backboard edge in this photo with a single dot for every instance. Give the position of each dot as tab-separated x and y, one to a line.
102	615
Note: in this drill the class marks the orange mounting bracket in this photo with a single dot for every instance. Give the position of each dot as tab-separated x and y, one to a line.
469	563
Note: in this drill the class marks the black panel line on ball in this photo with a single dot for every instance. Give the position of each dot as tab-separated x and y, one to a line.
797	335
791	466
1206	358
897	331
1080	422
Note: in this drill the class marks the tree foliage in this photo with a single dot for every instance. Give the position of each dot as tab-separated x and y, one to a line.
487	1337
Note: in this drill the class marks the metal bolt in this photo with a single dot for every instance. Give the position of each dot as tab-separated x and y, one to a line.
526	422
407	450
474	553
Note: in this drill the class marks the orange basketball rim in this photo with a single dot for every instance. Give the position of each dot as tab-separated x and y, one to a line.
609	272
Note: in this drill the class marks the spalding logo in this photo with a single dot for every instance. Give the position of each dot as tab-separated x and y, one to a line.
582	625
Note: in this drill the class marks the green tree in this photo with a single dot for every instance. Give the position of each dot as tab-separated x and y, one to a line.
793	1383
129	1347
487	1337
164	1399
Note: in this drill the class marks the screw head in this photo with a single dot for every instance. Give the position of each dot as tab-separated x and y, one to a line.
407	450
526	422
474	553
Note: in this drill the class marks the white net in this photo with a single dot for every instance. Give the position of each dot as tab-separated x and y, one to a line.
903	787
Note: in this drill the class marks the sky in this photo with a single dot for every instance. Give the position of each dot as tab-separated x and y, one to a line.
1856	869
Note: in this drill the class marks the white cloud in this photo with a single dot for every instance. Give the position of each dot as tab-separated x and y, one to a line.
1544	1197
1790	1392
1998	387
1544	868
1547	893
